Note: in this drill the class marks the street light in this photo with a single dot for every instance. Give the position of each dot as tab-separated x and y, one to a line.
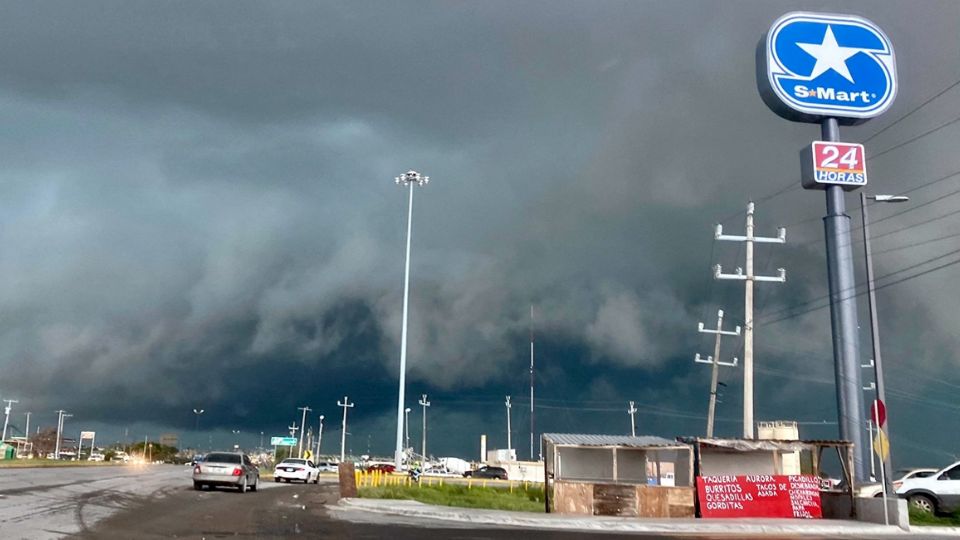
874	328
319	437
407	179
406	421
196	425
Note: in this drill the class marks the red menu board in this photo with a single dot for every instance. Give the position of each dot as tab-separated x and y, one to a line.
759	496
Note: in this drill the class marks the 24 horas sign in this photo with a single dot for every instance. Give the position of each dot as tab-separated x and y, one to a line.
776	496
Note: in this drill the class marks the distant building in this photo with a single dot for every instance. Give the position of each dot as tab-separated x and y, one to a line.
170	439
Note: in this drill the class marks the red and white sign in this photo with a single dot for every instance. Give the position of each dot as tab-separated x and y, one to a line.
833	163
776	496
878	413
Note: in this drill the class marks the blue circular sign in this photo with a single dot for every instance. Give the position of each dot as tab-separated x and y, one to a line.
815	65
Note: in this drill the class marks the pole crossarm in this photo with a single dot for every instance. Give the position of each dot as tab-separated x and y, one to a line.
709	360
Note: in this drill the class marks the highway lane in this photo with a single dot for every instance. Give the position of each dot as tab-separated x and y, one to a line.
47	503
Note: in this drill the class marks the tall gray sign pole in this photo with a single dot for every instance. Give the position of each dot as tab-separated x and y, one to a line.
843	316
832	69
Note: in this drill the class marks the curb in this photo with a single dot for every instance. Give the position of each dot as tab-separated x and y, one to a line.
758	527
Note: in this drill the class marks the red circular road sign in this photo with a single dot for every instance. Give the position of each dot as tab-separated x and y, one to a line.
878	413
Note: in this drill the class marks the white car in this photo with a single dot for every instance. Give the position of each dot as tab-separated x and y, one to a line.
873	489
939	492
293	469
327	466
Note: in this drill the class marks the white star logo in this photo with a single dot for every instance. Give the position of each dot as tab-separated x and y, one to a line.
829	55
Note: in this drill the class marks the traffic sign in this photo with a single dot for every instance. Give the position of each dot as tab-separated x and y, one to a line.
812	66
283	441
881	444
826	163
878	413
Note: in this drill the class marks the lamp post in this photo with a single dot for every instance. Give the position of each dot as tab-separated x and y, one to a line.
874	327
406	426
408	180
196	425
319	437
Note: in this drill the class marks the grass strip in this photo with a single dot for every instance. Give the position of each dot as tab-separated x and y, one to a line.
47	463
521	499
943	520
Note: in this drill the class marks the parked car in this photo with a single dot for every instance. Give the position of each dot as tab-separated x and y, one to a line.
95	456
301	470
873	489
939	492
488	472
382	467
327	466
232	469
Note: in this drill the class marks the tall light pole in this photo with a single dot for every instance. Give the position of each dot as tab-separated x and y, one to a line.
319	436
196	425
343	429
874	327
423	448
509	438
406	427
303	423
6	417
408	180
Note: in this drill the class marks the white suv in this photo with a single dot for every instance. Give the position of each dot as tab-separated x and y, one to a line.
939	492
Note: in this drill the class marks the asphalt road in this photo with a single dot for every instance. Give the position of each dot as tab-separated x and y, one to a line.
159	502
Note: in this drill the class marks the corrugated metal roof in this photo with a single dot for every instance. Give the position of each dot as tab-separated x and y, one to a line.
580	439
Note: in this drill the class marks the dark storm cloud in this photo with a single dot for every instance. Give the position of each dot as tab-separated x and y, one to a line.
197	207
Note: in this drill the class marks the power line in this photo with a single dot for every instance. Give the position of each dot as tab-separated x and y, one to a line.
877	288
916	137
915	109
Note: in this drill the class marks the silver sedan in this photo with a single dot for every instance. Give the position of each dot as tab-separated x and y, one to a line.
232	469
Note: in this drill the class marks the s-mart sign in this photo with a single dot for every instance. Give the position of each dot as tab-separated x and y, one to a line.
833	164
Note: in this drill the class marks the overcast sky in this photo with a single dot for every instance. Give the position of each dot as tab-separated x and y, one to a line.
197	209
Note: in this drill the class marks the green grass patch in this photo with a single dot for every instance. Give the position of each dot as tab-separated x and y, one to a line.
942	520
522	499
45	463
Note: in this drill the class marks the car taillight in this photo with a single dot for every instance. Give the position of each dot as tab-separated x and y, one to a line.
237	471
896	485
196	469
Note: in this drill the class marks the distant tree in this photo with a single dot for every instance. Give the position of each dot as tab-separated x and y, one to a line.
45	442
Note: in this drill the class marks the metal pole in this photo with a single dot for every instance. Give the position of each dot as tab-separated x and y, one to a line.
406	427
319	437
303	422
509	439
26	432
398	452
531	384
748	333
423	443
633	424
875	337
843	316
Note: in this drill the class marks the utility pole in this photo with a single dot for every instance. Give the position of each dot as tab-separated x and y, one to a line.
748	280
633	424
423	443
343	435
26	431
293	429
408	180
509	440
715	360
406	427
319	436
531	384
6	419
303	422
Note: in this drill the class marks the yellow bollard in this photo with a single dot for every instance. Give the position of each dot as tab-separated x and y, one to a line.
484	482
470	483
511	486
441	481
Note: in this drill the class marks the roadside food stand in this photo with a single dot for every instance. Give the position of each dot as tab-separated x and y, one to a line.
769	478
616	475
